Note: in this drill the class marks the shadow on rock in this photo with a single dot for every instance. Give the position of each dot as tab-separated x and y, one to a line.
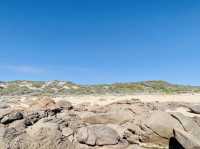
174	144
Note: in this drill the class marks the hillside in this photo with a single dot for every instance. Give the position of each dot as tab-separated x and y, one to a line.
64	87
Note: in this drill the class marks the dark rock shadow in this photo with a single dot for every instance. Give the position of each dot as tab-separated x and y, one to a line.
174	144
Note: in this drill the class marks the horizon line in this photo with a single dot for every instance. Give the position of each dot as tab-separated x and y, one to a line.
117	82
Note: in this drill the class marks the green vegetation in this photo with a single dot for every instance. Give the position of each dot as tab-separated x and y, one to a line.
15	90
37	84
61	87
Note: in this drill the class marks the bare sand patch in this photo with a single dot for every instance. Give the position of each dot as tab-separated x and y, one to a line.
107	99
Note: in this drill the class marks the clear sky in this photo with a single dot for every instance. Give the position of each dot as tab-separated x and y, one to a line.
100	41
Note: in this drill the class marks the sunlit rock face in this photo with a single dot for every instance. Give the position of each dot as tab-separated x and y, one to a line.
46	122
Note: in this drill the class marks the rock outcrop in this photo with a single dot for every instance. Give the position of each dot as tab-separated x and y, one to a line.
44	123
97	135
186	140
195	109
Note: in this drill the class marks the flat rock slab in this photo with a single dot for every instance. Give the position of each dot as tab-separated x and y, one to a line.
115	117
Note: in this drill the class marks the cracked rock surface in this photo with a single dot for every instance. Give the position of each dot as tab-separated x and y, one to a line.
44	123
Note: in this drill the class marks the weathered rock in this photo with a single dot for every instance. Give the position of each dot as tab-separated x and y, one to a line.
45	122
129	124
46	138
135	146
18	125
83	146
123	144
97	109
132	127
71	120
11	139
2	131
66	105
32	118
188	124
162	124
82	107
42	135
11	117
45	135
4	105
197	120
42	103
186	140
67	131
119	129
45	104
129	102
195	109
97	135
131	138
4	112
160	128
10	133
115	117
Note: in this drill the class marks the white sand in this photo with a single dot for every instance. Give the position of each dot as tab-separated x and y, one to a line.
106	99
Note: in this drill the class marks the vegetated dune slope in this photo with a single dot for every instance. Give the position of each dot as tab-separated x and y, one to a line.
63	87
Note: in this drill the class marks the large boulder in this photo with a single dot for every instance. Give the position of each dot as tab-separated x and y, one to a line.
12	117
97	135
45	135
66	105
195	109
160	128
162	124
45	104
32	117
45	138
42	103
188	124
186	140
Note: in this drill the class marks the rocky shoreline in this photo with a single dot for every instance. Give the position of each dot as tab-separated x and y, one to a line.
43	123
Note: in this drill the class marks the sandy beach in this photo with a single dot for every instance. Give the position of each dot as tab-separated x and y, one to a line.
106	99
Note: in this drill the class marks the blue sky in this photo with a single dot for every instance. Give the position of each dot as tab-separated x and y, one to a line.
100	41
